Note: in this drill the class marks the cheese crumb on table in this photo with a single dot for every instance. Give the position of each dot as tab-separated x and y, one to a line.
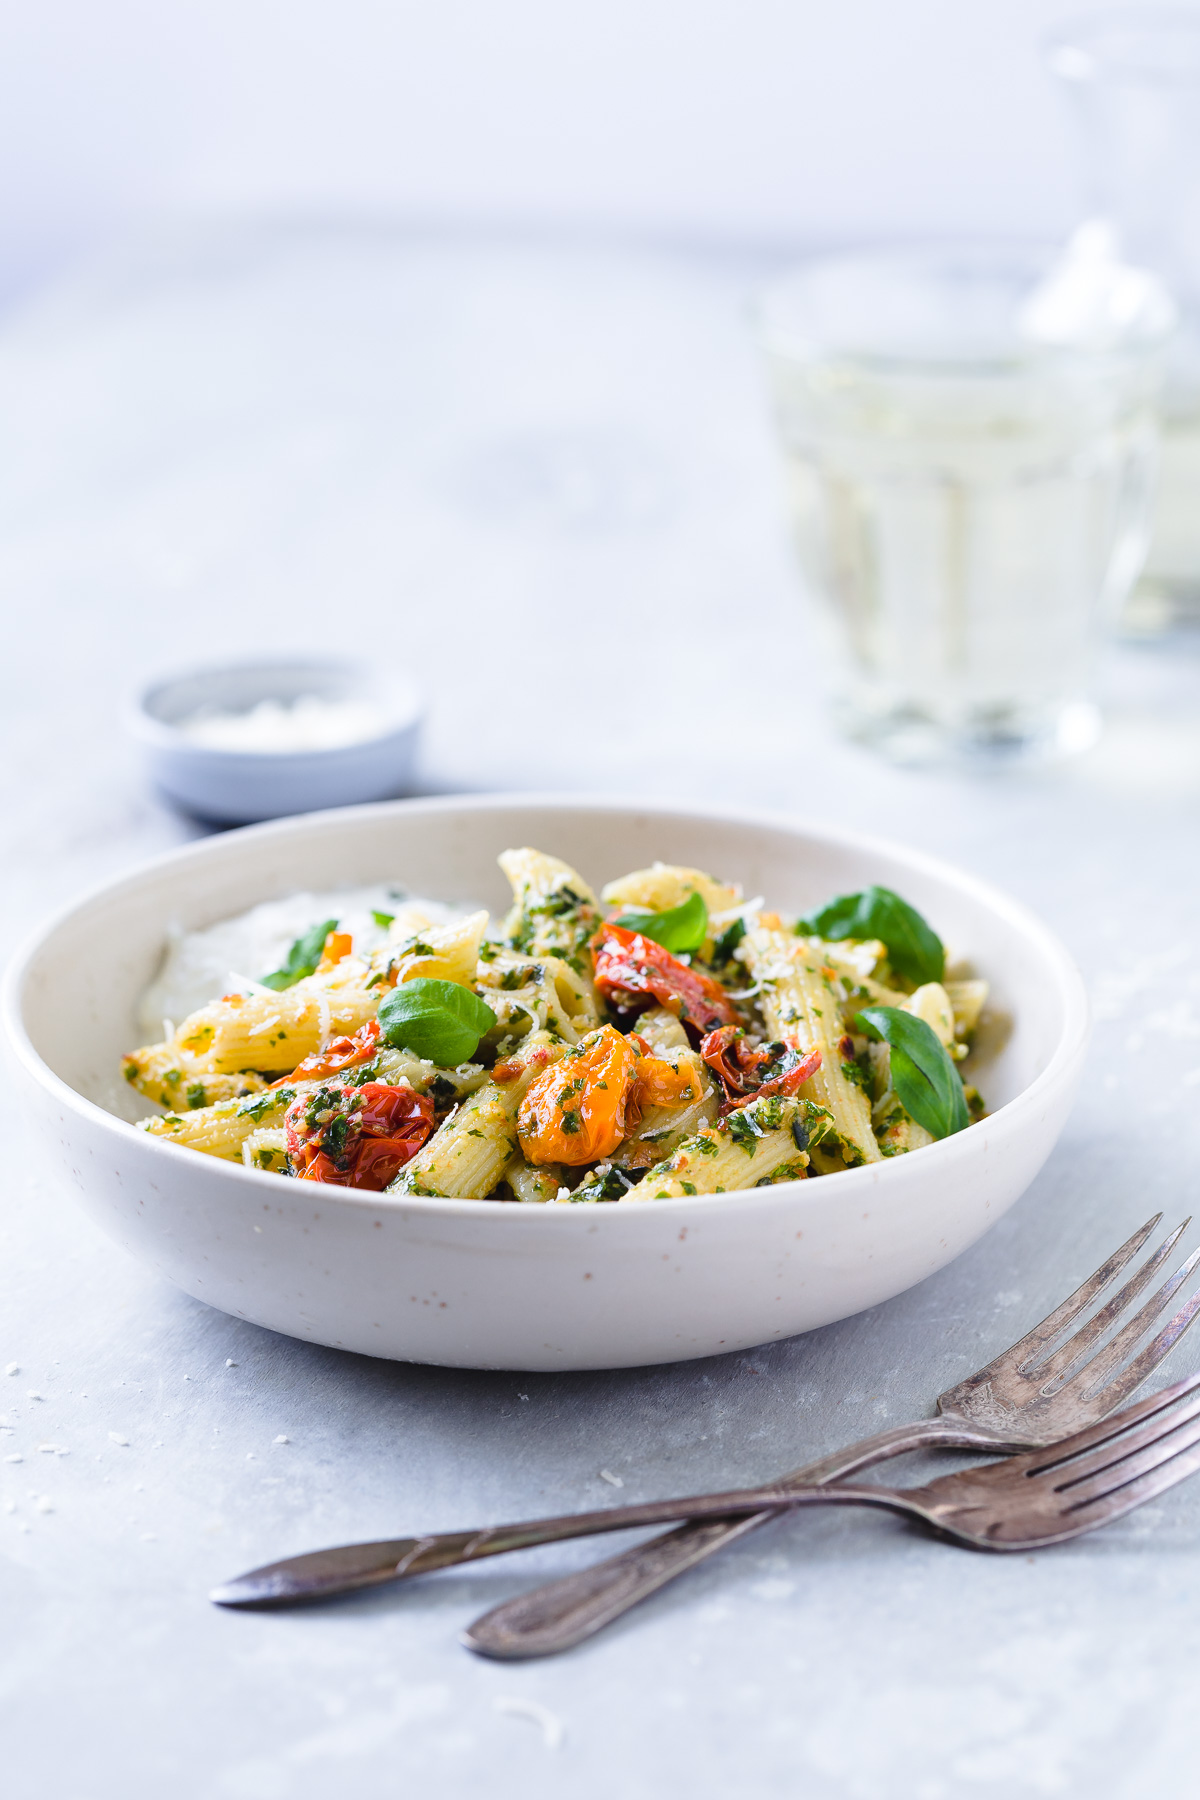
552	1729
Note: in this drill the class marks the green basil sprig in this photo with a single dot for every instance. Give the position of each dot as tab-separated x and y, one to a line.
913	949
681	929
439	1020
924	1078
302	958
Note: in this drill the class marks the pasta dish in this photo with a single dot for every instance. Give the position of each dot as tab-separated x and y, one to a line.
662	1039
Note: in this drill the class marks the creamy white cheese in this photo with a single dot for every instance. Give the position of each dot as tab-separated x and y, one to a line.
234	954
309	723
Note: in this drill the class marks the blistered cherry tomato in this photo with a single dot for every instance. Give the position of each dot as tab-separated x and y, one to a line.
632	969
358	1137
576	1111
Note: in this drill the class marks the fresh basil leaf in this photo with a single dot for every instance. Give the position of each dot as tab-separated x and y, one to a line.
681	929
925	1080
914	950
439	1020
302	958
728	941
382	919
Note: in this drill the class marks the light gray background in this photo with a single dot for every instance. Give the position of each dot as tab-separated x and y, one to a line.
720	121
542	480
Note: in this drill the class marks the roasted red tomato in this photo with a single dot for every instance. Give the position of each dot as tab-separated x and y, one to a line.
358	1137
632	970
747	1074
732	1060
576	1112
339	1053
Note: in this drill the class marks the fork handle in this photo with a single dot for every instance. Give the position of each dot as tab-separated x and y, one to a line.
563	1613
319	1574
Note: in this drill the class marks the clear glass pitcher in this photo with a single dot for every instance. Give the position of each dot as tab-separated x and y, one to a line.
1133	78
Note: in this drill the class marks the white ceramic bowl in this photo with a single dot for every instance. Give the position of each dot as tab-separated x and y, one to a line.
480	1285
237	787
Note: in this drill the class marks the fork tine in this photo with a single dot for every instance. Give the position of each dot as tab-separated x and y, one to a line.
1057	1321
1135	1493
1144	1364
1064	1358
1115	1464
1094	1373
1038	1462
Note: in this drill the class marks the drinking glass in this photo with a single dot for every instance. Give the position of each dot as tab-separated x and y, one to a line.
1133	78
969	435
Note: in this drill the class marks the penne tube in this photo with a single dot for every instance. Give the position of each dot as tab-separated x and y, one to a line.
266	1149
466	1157
163	1074
666	885
967	999
434	953
802	998
662	1030
760	1144
932	1004
532	1187
542	995
214	1130
272	1032
554	911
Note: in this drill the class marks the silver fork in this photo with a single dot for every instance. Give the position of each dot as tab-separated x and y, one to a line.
1030	1395
1042	1497
1009	1405
1023	1503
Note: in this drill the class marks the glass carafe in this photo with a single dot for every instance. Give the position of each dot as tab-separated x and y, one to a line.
1134	80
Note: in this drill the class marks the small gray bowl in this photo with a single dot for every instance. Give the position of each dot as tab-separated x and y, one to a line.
239	787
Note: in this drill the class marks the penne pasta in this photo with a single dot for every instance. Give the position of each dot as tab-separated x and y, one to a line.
213	1130
932	1003
766	1142
967	999
661	1030
706	1046
266	1149
432	953
165	1075
532	1187
666	885
554	911
801	996
543	995
272	1032
466	1158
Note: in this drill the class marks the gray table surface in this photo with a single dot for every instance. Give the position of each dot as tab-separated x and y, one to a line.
247	440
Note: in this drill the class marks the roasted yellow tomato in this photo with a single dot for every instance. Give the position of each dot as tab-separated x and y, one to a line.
659	1083
576	1112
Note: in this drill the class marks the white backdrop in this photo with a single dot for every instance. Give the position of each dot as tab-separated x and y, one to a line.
793	120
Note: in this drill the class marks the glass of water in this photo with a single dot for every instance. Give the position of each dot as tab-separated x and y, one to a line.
970	436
